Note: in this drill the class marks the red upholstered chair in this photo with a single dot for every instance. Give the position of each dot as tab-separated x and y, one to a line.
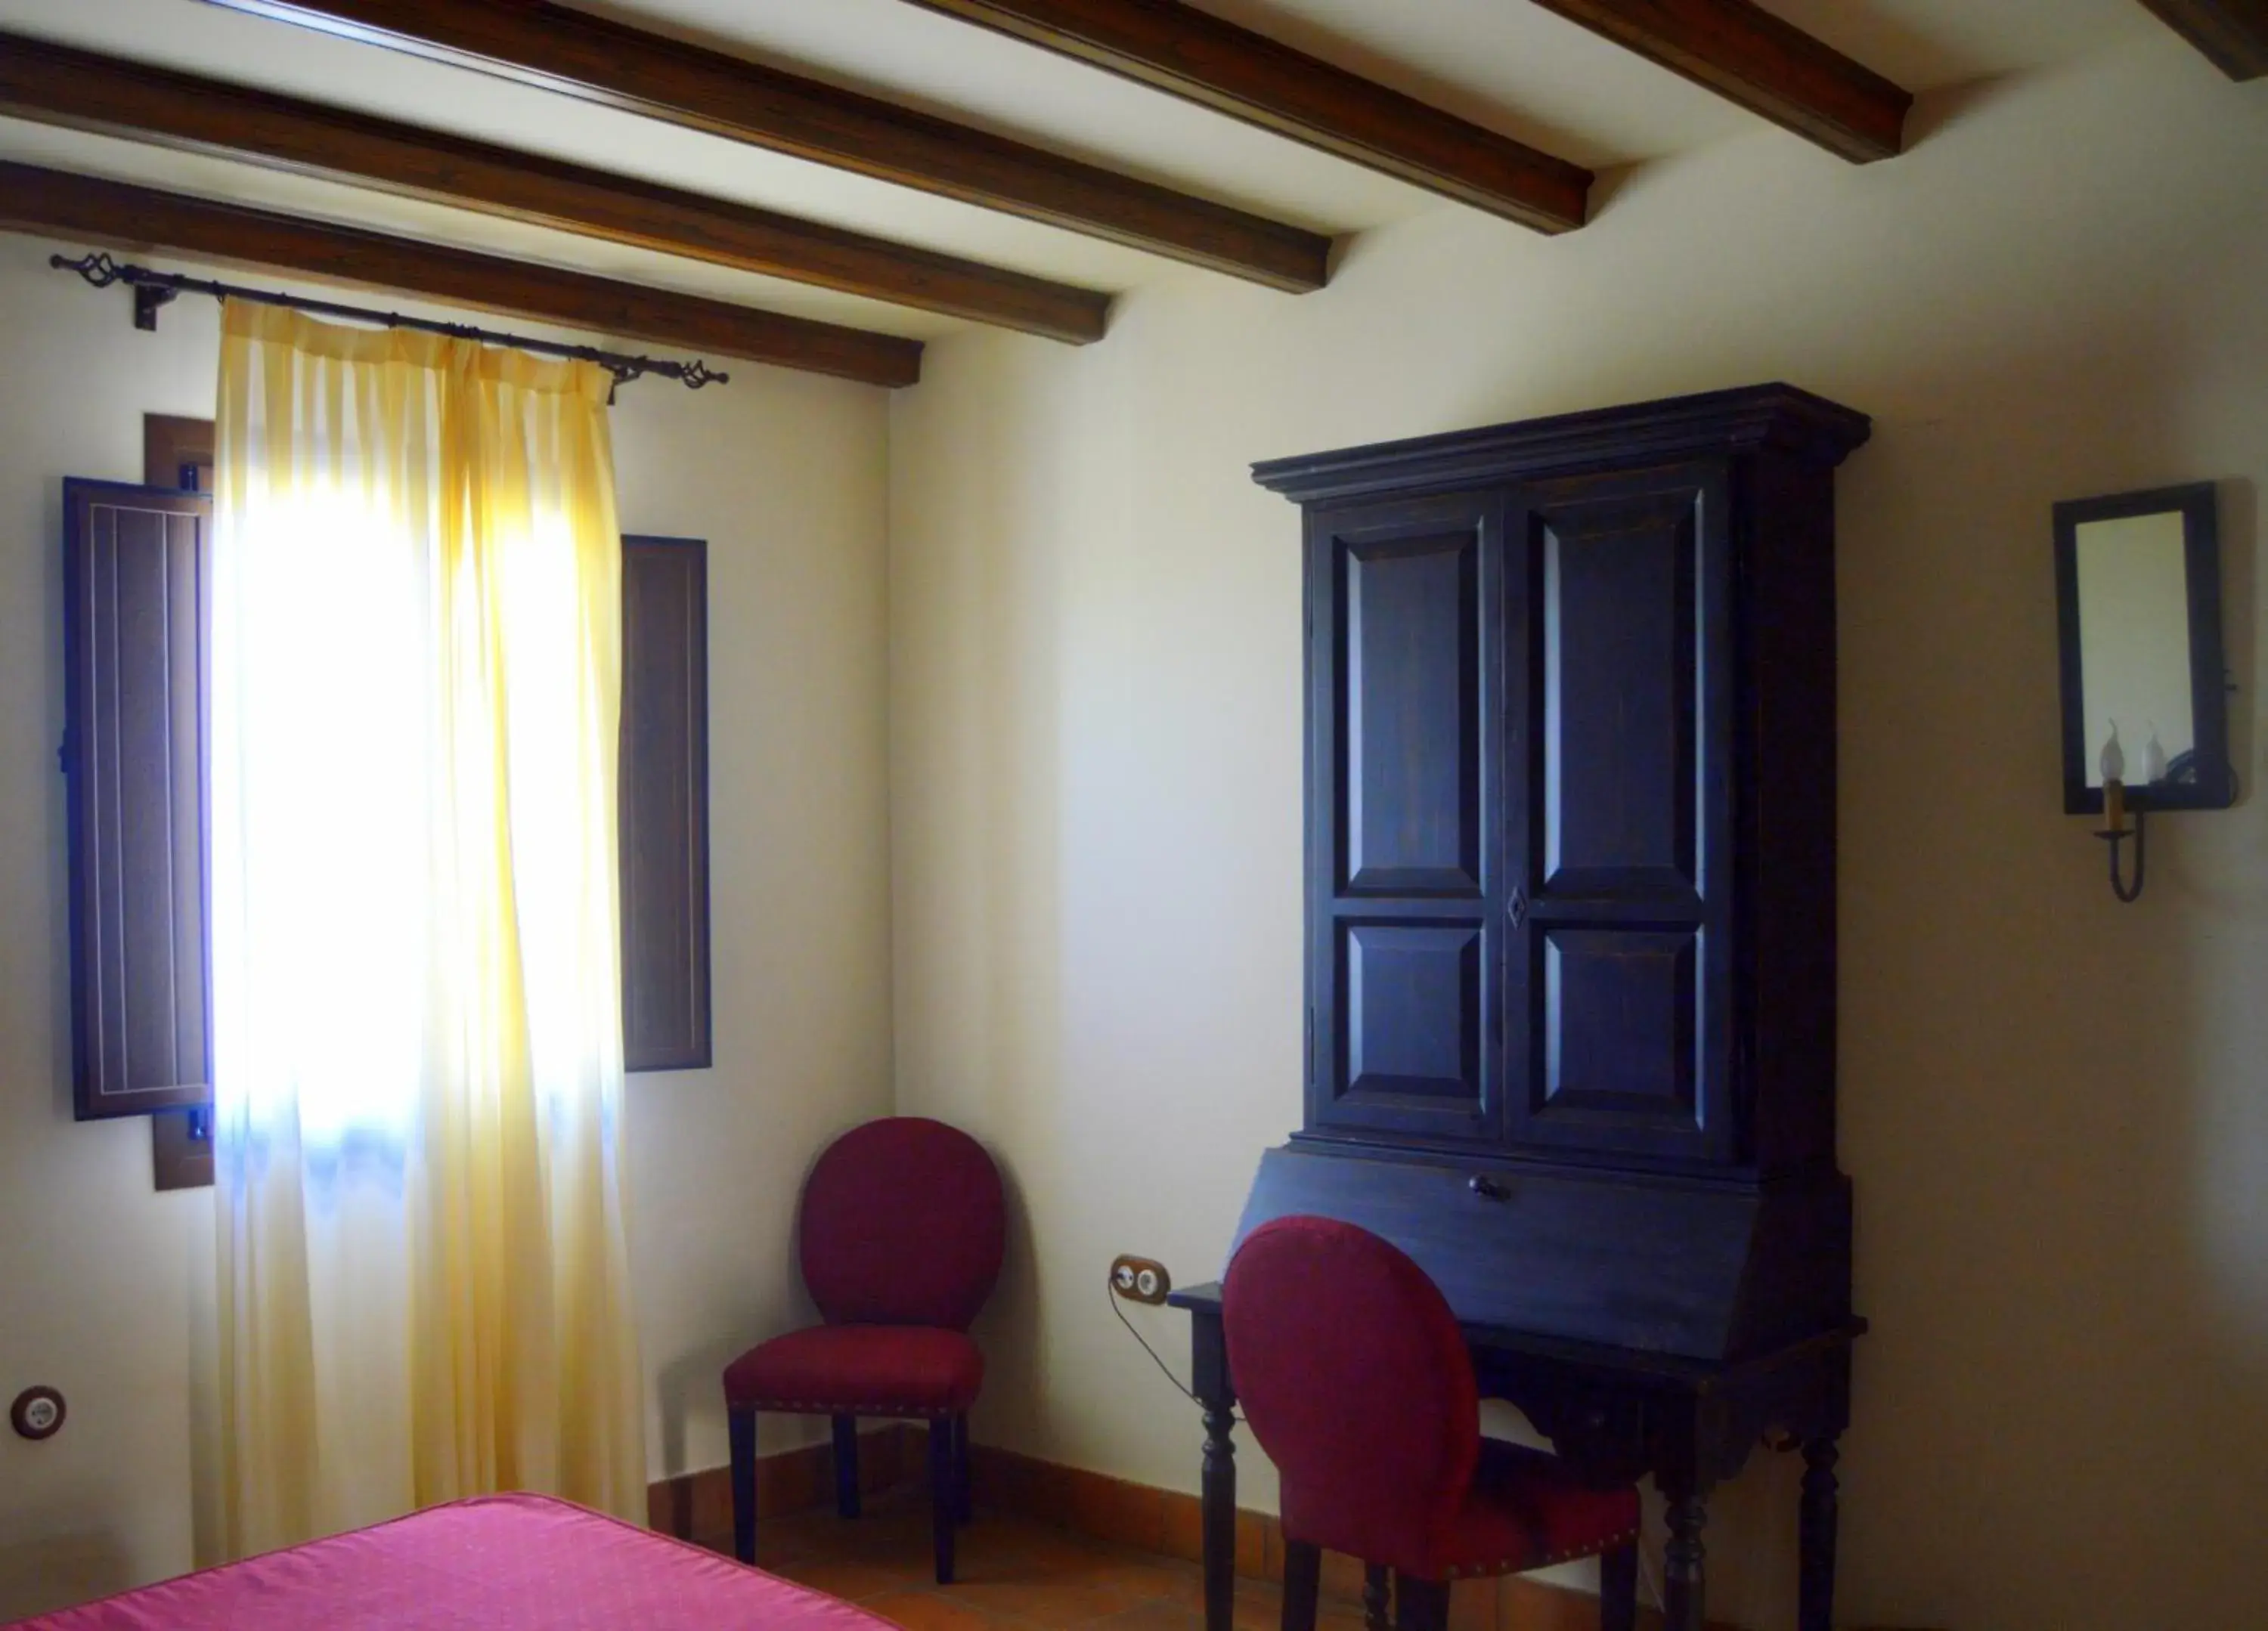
903	1226
1356	1381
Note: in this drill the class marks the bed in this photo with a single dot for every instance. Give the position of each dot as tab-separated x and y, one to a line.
493	1563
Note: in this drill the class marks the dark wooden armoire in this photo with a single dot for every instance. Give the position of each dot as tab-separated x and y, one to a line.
1571	924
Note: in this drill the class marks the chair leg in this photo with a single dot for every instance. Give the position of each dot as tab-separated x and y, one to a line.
964	1501
1303	1579
1375	1599
1618	1588
846	1466
741	1425
941	1494
1420	1605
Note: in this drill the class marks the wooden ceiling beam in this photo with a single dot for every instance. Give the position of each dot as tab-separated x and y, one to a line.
1769	67
57	85
115	215
614	65
1202	59
2232	32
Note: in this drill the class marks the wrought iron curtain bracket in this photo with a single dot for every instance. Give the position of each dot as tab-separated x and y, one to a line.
155	289
147	299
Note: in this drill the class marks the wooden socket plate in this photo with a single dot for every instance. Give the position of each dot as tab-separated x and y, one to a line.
1139	1279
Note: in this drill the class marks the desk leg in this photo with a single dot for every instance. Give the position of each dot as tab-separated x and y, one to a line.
1685	1603
1218	1395
1815	1592
1220	1518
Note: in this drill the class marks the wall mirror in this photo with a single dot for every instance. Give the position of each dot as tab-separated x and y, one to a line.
2138	583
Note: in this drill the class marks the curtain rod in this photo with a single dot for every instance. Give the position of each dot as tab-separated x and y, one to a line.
153	289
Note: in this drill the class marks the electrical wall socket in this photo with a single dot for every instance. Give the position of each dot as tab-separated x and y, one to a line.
1139	1279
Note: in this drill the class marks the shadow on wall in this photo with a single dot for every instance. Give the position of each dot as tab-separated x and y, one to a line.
997	1004
691	1385
1015	1367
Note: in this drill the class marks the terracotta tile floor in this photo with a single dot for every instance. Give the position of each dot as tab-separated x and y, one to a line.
1014	1575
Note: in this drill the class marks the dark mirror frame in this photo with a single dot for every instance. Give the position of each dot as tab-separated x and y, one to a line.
2215	784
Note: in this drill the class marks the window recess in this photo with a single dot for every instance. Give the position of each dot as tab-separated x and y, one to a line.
138	615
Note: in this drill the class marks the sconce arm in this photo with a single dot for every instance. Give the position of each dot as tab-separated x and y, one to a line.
2117	837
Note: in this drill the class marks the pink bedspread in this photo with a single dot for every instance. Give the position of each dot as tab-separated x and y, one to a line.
495	1563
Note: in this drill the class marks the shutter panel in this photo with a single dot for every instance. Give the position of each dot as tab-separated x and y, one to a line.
664	805
134	596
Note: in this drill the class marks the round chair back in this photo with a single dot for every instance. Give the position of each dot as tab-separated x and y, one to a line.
903	1223
1356	1381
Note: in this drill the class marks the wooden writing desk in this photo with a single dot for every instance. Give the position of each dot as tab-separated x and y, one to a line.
1616	1414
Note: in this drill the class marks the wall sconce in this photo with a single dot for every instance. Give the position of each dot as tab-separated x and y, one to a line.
2113	764
2137	591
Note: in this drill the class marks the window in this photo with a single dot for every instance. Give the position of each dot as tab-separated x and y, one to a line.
137	614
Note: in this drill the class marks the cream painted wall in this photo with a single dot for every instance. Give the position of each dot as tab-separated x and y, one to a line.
2055	1107
103	1283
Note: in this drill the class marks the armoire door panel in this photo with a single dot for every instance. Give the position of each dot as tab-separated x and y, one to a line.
1406	679
1408	1047
1618	983
1617	690
1408	791
1413	1009
1619	1026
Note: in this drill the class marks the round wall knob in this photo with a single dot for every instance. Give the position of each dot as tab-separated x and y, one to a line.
38	1412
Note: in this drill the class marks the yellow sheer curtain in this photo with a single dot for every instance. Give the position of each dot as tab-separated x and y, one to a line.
417	1032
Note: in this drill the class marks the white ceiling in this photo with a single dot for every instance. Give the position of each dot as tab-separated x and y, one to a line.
1503	63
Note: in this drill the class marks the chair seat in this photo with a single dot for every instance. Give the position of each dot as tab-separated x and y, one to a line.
884	1370
1526	1510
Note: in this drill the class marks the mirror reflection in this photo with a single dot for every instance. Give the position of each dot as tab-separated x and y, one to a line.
2134	645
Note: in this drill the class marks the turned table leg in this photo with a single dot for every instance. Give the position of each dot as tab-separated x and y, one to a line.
1210	1381
1685	1599
1219	1516
1815	1594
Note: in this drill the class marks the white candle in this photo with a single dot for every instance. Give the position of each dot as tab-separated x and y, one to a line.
2153	758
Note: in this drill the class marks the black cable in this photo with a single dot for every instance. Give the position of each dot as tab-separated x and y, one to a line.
1164	1369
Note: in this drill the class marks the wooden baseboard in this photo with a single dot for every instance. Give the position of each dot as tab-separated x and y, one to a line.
1166	1521
698	1506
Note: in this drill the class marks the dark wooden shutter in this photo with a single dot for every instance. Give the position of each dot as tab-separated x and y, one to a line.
664	805
134	646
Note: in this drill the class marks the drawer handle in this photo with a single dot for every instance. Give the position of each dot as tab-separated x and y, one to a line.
1487	1189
